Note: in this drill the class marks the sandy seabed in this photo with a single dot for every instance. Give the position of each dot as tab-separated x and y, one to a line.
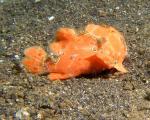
24	23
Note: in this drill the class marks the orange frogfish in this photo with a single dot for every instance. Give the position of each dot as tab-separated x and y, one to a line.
98	48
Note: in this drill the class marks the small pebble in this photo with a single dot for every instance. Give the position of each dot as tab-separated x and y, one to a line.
80	107
37	1
22	114
17	57
17	100
1	1
1	61
50	93
137	29
103	13
39	116
117	8
51	18
139	13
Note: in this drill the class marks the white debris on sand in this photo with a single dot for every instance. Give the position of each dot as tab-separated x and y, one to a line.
22	114
1	1
50	18
17	57
37	1
1	61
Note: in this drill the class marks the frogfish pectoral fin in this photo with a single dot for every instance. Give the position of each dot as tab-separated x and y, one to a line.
120	68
